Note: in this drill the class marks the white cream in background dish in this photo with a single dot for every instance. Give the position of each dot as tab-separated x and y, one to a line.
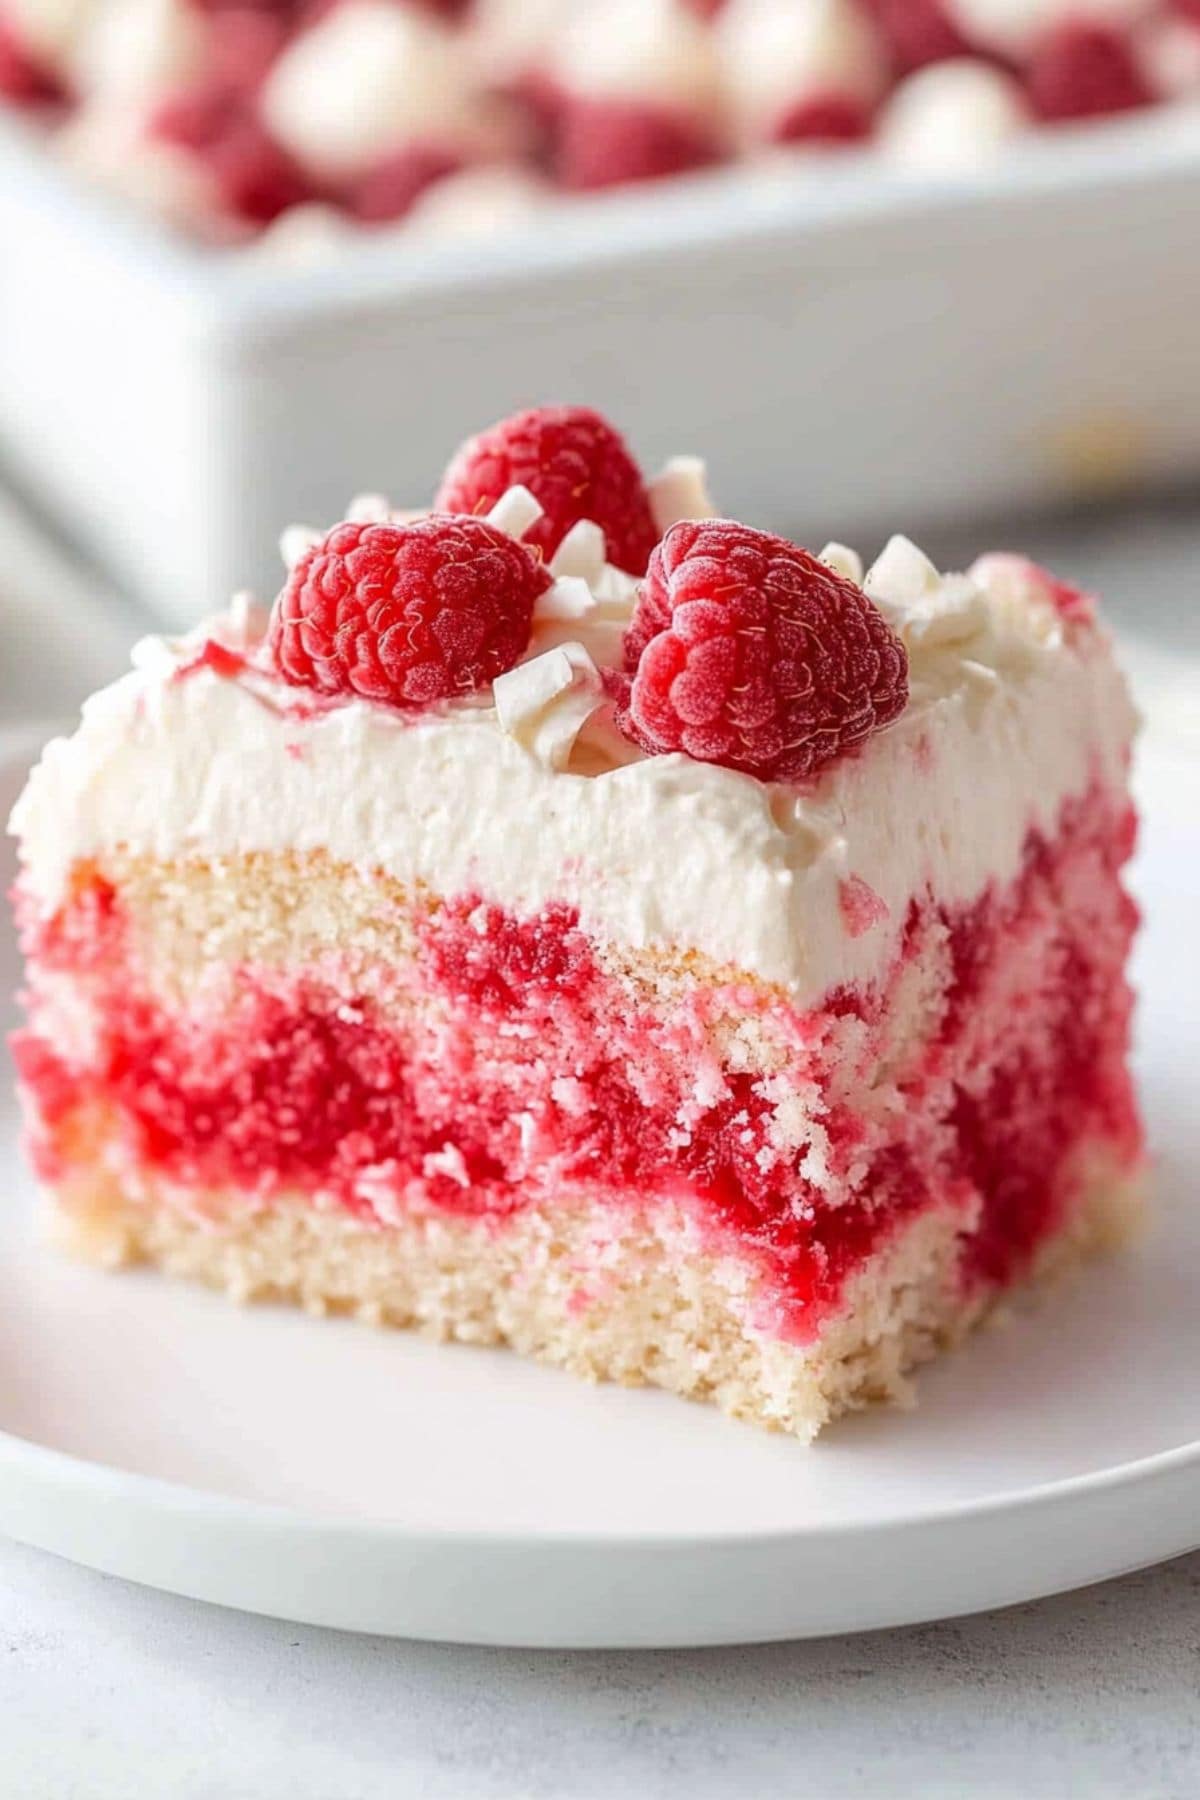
539	99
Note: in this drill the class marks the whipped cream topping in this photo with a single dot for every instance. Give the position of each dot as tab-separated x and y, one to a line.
952	115
51	28
529	794
778	54
509	38
137	49
483	202
652	52
367	79
1168	53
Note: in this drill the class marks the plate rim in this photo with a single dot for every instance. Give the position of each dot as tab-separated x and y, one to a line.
181	1498
54	1498
669	1592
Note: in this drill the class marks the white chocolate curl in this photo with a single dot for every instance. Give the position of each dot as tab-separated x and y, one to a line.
900	574
843	561
680	492
544	704
515	512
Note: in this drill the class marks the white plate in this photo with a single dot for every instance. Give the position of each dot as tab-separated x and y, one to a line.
336	1475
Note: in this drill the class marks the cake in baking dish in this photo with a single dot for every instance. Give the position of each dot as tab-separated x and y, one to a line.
574	921
305	122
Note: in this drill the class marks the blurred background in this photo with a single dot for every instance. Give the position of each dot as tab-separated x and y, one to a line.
919	265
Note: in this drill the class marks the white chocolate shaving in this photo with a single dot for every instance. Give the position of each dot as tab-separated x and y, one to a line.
296	543
515	512
843	561
569	597
369	509
582	552
680	491
544	704
900	574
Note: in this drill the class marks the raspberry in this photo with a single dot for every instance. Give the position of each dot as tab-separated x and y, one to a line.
393	187
450	10
745	650
536	103
605	143
824	119
918	32
1083	71
245	40
574	463
1075	605
21	80
254	176
409	614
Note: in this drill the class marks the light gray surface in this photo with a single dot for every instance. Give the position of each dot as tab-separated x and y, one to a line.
108	1691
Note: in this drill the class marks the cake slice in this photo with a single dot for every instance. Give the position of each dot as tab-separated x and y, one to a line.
709	974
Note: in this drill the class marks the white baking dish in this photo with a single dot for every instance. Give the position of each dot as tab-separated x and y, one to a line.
852	349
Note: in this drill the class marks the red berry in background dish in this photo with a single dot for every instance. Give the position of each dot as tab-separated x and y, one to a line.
407	614
918	32
746	651
574	463
603	143
450	11
1082	70
824	119
392	187
254	177
245	41
21	80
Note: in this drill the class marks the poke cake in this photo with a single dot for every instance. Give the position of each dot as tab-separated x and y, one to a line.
572	920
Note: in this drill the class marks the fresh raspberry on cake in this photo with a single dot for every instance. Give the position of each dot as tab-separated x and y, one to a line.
408	614
747	651
574	463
